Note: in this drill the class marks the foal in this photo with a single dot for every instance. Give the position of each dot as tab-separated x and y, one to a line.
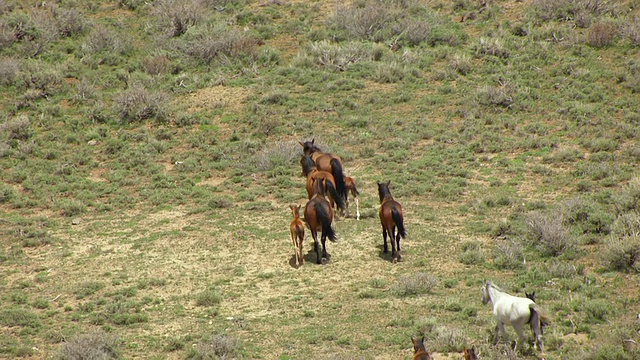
297	234
350	184
390	219
420	353
515	311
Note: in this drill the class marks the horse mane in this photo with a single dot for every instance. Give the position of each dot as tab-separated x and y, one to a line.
307	164
383	191
490	284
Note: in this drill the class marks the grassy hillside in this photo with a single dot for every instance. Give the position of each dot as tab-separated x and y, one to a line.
149	154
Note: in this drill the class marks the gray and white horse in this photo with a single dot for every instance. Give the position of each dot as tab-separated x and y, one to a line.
515	311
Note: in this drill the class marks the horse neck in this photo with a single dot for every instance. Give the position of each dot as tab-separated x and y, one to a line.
421	354
494	294
387	198
307	168
296	213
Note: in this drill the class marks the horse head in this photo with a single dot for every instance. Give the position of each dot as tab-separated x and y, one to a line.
308	147
383	190
531	296
420	352
295	210
470	354
485	292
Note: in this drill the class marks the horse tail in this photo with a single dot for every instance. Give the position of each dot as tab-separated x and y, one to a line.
322	214
537	322
336	171
355	190
397	218
340	202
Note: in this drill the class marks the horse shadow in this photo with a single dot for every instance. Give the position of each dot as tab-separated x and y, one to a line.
292	262
382	255
310	257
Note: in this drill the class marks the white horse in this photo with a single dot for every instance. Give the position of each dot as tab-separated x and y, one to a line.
514	311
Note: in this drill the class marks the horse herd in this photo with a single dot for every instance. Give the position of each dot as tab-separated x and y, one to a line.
327	189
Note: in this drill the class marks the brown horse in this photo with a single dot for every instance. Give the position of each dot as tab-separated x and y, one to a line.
310	170
326	162
297	234
470	354
319	214
390	219
350	184
420	353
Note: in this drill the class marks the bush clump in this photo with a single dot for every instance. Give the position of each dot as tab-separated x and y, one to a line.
419	283
96	345
548	232
215	347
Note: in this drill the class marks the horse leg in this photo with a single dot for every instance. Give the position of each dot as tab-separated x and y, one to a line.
394	251
521	338
500	332
357	208
346	206
324	246
398	246
295	247
316	247
299	250
384	236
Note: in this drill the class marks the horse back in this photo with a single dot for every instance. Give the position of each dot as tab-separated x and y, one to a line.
386	212
513	309
323	160
315	175
297	228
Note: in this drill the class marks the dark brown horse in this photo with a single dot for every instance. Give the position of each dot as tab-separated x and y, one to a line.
470	354
350	184
310	170
326	162
419	351
391	219
297	234
319	215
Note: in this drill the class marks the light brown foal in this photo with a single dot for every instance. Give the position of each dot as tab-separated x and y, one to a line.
297	234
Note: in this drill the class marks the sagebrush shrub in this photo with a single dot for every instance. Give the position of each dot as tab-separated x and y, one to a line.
602	34
223	44
8	70
137	104
502	95
366	22
461	63
96	345
419	283
493	47
508	253
216	347
177	16
548	232
280	153
631	30
338	56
